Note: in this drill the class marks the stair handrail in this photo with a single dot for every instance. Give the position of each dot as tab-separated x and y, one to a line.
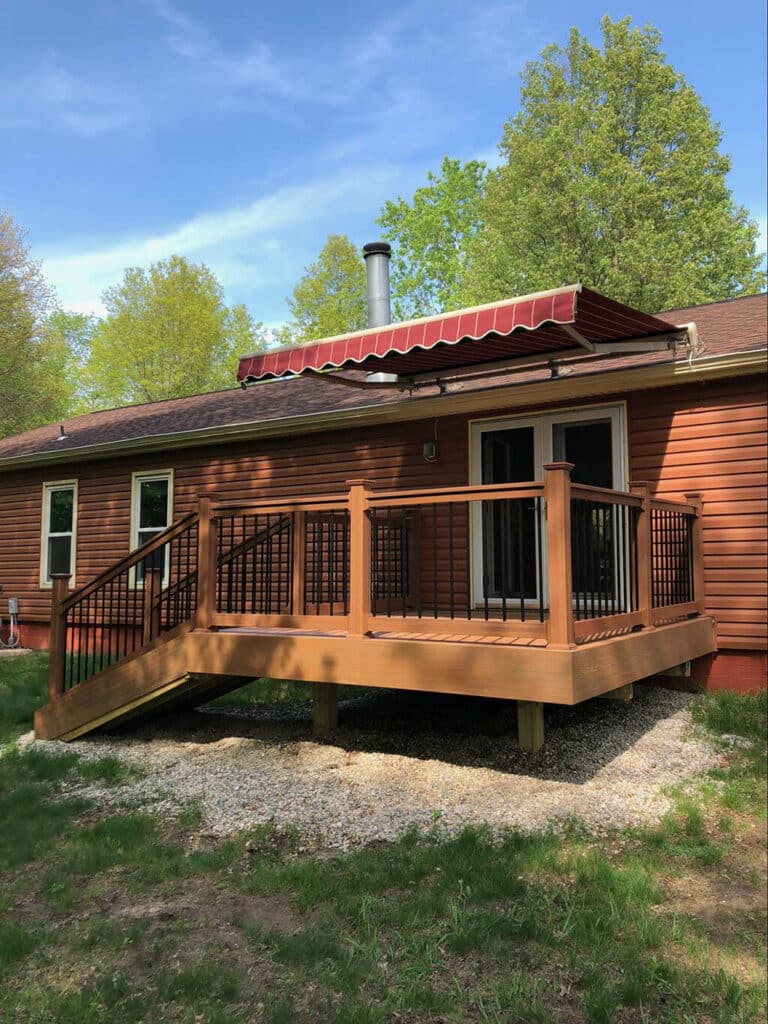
128	561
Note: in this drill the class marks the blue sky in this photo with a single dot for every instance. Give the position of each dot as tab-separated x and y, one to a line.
242	134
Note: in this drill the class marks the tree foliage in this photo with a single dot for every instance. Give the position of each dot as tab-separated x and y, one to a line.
330	298
67	340
34	389
167	334
613	176
431	236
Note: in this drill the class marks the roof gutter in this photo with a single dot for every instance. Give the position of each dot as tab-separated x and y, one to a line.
612	381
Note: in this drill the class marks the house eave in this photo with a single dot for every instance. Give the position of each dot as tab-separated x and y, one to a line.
602	382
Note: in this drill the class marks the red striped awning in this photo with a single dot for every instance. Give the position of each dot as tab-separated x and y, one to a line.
525	326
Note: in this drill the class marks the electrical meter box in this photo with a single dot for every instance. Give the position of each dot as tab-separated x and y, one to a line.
13	606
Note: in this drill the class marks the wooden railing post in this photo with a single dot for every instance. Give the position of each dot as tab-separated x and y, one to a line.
59	590
153	581
557	492
644	553
207	555
698	552
359	558
298	555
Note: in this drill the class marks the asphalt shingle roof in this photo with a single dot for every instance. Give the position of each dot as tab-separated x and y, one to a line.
738	325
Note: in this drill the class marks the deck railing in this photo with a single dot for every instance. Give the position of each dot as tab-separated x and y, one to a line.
473	554
148	593
550	560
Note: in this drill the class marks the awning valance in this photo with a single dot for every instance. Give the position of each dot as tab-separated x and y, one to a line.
547	322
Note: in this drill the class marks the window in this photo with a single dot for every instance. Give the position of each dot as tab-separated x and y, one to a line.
152	504
59	530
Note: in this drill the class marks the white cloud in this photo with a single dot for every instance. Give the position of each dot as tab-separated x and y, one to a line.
54	98
240	244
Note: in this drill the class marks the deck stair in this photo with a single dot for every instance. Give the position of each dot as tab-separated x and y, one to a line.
592	590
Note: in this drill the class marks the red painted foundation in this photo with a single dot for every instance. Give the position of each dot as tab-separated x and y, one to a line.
741	671
34	635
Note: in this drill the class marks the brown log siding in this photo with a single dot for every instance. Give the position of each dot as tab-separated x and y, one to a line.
712	440
709	439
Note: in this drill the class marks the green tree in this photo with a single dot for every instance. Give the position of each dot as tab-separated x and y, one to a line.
613	176
32	390
431	236
167	334
66	345
330	298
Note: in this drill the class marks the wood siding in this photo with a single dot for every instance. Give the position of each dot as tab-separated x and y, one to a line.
706	438
712	440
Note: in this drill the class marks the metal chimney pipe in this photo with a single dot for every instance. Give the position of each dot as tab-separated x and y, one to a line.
377	256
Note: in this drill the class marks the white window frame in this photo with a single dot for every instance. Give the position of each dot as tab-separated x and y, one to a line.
136	480
543	452
48	487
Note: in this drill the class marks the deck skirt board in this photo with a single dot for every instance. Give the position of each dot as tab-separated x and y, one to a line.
201	663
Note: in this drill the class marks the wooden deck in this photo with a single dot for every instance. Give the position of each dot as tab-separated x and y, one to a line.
598	589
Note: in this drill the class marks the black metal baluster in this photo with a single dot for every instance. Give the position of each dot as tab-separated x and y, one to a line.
468	555
520	555
434	562
500	510
403	561
332	559
388	561
451	559
317	547
267	548
539	557
586	556
576	555
375	556
487	524
345	536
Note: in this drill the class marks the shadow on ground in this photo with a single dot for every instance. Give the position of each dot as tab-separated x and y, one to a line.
463	731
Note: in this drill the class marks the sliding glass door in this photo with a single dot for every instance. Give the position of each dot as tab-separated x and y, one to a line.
507	535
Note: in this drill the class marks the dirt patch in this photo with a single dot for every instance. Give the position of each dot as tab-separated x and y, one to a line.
214	907
729	903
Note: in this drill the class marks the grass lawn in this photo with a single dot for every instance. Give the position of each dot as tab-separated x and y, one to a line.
126	917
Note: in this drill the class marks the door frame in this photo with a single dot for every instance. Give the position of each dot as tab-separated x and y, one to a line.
542	423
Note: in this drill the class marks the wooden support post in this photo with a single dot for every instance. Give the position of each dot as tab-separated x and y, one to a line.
557	491
698	553
530	724
359	558
207	564
153	582
625	693
325	708
644	554
298	556
59	590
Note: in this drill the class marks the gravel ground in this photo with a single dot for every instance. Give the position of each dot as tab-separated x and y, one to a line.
410	759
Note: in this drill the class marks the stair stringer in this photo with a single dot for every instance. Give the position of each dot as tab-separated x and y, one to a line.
116	692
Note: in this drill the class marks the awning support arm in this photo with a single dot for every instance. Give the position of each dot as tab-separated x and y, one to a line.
578	337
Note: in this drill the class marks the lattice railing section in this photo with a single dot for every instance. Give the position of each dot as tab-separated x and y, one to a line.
672	530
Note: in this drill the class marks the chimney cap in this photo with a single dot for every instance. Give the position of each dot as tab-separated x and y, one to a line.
374	248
